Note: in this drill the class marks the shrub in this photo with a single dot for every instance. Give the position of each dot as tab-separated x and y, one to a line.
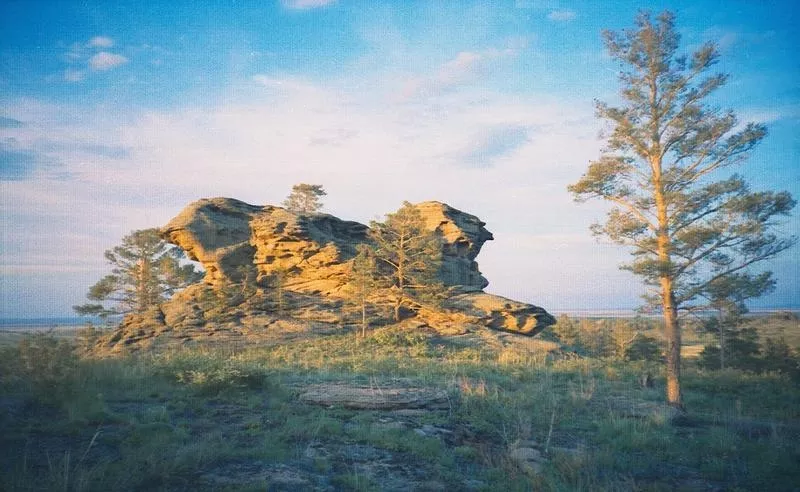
211	375
643	348
778	357
44	366
566	331
741	352
597	338
398	337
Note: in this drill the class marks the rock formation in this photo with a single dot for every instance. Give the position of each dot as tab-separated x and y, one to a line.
233	239
248	251
503	314
216	232
463	236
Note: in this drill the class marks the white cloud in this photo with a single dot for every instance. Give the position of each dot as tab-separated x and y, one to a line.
561	15
71	75
369	150
467	66
307	4
100	42
106	61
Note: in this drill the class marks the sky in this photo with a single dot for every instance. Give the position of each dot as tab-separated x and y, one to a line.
115	115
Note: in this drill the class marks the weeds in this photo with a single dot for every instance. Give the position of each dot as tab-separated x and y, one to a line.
163	421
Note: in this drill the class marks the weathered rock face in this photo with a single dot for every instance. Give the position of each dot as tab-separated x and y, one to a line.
502	314
216	232
310	252
463	236
234	241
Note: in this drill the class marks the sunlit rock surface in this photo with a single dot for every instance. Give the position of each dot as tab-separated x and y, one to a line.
250	252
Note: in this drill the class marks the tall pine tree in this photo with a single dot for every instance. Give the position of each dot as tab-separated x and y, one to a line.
688	225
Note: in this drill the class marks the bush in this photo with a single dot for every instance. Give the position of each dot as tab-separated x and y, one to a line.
567	331
210	374
398	337
597	338
778	357
42	366
643	348
742	351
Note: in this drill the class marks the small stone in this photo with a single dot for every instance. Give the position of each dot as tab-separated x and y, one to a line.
528	459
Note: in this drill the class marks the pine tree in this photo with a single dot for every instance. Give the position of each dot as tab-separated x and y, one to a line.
727	296
363	285
146	271
305	199
408	258
687	226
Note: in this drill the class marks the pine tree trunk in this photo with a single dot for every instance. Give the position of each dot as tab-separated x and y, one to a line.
363	320
401	276
721	341
141	285
672	329
672	332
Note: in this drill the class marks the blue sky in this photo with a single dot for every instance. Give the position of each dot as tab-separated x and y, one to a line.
114	115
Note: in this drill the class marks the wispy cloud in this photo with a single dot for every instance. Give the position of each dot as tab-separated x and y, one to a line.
10	122
100	42
16	164
106	61
91	56
307	4
72	75
467	66
561	15
493	143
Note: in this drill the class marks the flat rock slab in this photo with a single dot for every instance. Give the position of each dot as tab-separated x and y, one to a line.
374	397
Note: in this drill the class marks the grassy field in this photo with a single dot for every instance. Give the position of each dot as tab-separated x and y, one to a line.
233	420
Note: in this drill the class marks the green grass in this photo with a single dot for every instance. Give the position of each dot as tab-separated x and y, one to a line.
231	420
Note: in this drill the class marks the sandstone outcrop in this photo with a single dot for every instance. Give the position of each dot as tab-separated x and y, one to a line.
216	232
463	236
502	314
310	252
234	240
272	273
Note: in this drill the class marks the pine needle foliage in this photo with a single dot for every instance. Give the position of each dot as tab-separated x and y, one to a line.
408	257
305	199
146	271
688	223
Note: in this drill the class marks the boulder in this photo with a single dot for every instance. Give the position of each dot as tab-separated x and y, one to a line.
502	314
374	397
528	459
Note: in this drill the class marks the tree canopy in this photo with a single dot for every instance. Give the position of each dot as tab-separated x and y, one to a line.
146	270
688	224
407	259
305	198
364	285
